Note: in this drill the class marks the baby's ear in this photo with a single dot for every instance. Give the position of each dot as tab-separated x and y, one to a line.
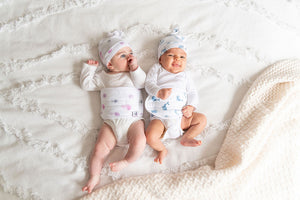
159	60
109	66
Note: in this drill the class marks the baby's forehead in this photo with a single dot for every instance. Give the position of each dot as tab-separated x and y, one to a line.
176	50
124	50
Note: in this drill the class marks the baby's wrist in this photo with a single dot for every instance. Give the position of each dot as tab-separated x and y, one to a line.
193	108
133	68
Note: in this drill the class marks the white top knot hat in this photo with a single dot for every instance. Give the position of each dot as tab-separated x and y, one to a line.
110	45
173	40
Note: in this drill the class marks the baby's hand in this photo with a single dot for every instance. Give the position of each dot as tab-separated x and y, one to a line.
132	63
164	93
92	62
187	111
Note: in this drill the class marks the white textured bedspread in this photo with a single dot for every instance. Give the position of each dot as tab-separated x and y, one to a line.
49	125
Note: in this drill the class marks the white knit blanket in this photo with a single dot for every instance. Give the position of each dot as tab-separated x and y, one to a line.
259	158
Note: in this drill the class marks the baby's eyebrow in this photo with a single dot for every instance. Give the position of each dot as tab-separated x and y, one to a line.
121	52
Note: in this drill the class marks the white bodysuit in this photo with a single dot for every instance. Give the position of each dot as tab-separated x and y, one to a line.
169	110
125	87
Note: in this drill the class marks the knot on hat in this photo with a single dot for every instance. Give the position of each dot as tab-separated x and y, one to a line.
116	34
173	40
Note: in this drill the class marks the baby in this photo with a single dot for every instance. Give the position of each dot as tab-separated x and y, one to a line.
172	98
119	84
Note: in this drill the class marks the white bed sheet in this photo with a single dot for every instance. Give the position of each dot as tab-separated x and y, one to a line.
48	124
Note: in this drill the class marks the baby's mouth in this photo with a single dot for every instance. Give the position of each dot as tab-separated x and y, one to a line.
176	65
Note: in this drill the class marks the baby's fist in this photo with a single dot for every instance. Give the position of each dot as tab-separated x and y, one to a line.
164	93
92	62
187	111
132	63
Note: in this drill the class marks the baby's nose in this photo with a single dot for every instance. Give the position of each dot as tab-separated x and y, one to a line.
177	57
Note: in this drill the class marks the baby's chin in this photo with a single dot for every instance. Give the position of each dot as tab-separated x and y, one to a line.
175	70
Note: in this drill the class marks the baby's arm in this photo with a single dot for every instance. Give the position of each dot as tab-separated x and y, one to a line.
137	74
151	84
89	79
192	98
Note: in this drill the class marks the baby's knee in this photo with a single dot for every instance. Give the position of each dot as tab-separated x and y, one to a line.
103	148
200	118
151	138
140	139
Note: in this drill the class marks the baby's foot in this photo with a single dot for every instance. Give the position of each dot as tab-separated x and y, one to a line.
190	142
161	155
118	166
93	181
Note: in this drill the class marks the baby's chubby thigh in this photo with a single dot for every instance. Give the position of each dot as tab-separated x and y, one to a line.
186	122
136	130
196	118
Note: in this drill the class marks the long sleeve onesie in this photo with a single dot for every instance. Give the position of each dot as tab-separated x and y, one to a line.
159	78
90	80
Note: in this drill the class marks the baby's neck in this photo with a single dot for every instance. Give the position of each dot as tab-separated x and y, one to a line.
118	72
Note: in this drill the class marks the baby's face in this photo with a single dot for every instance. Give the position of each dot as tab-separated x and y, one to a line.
173	60
119	62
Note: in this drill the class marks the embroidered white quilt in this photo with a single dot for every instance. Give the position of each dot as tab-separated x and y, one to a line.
49	125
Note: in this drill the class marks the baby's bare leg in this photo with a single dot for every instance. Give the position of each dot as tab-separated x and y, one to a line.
137	142
105	143
194	126
153	134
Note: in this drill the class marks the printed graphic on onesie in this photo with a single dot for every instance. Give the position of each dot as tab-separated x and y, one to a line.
169	108
121	102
